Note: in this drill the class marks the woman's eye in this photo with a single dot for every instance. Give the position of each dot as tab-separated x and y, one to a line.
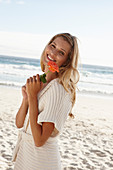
52	45
61	52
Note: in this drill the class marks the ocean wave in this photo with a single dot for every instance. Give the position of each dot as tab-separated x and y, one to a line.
17	71
98	82
20	67
82	90
93	79
10	84
95	89
85	91
19	60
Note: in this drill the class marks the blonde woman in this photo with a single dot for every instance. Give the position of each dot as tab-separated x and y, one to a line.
49	104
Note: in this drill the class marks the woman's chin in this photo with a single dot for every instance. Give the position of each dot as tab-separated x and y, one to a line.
45	60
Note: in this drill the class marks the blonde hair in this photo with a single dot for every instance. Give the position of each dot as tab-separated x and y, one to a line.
68	73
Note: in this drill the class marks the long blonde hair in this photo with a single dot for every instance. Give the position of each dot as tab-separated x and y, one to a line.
68	73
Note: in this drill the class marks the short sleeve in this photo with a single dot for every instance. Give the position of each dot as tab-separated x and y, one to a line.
57	106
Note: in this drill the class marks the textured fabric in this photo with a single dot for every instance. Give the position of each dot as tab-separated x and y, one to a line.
31	157
54	105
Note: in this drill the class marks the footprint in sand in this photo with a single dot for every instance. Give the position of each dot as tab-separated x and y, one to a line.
6	156
1	137
109	164
70	168
98	153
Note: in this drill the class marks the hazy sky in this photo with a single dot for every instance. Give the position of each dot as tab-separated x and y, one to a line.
27	25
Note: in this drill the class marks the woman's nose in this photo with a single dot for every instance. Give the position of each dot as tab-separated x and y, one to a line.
54	52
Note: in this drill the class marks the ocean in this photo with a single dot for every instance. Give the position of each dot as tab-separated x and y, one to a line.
14	72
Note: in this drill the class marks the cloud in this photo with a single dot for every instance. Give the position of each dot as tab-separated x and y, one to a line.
5	1
20	2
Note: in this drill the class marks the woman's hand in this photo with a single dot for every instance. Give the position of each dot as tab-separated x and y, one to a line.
24	93
33	86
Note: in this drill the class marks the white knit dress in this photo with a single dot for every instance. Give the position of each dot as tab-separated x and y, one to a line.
54	105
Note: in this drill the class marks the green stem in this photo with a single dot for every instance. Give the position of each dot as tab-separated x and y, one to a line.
43	77
48	71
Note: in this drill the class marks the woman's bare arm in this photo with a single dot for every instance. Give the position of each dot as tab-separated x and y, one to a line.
22	112
40	133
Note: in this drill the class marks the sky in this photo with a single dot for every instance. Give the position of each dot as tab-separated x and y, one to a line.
26	26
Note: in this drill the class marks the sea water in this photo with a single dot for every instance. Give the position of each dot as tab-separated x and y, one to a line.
14	71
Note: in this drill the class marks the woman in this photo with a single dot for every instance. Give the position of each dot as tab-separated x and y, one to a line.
49	105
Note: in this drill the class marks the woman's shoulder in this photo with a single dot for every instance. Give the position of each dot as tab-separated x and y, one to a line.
54	88
55	84
58	88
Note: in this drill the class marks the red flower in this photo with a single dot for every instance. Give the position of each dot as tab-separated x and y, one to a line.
53	66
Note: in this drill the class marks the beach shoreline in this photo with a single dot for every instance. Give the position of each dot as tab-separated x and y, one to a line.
79	93
86	141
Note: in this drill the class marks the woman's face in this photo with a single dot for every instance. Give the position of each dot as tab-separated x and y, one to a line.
57	51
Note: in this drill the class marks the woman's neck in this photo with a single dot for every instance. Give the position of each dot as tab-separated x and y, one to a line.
50	76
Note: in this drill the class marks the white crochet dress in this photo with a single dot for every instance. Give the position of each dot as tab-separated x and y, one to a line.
54	105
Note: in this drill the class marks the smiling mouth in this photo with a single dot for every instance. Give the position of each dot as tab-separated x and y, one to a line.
50	59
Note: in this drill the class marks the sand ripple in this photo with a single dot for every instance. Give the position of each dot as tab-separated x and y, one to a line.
84	145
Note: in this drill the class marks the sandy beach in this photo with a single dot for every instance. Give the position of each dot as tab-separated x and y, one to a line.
86	142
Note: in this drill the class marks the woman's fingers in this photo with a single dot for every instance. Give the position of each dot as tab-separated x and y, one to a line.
23	87
33	85
38	78
34	78
27	80
31	79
